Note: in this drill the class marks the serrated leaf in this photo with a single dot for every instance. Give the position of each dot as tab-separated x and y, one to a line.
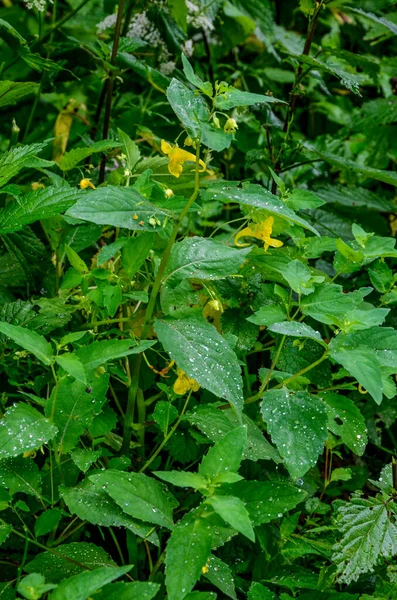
23	428
297	423
225	455
201	258
367	536
233	511
183	479
138	495
256	196
12	91
36	205
14	160
297	329
392	27
187	552
72	158
99	353
29	340
21	475
221	575
346	421
204	355
328	304
118	206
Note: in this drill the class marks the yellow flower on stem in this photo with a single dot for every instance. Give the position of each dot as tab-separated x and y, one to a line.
184	383
177	157
230	126
261	231
86	183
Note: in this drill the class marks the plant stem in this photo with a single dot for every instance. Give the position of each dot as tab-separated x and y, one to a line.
110	84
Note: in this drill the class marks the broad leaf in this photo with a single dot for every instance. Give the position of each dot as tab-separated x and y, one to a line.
14	160
141	590
233	97
346	421
72	158
297	423
29	340
183	479
83	585
328	304
98	353
221	575
12	91
233	511
200	351
225	455
297	329
23	428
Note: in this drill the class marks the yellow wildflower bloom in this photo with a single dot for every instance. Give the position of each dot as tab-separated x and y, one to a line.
169	193
230	126
37	186
86	183
177	157
205	569
184	383
261	231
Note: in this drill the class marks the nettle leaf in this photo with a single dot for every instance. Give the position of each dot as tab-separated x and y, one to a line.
225	455
201	258
297	423
36	205
328	304
118	206
72	158
23	428
256	196
91	503
83	585
187	552
200	351
267	500
14	160
368	535
29	340
12	91
233	97
346	421
297	329
233	511
138	495
215	423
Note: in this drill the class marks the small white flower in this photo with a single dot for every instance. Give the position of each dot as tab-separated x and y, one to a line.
167	68
39	5
108	23
188	48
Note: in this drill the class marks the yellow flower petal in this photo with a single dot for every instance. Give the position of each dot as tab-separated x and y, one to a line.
86	183
184	383
261	231
178	157
246	232
166	147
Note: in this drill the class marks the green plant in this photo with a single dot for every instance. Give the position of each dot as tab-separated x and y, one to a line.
197	289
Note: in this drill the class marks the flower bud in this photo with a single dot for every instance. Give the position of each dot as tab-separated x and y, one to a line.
230	125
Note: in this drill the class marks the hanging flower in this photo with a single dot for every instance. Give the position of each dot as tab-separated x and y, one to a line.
177	157
230	126
184	383
261	231
86	183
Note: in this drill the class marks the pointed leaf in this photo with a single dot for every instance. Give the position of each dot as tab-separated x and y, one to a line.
29	340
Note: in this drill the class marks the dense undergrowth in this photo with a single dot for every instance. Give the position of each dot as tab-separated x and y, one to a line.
197	299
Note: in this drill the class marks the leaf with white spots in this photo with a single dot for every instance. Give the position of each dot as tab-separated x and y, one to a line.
297	423
346	421
200	350
23	429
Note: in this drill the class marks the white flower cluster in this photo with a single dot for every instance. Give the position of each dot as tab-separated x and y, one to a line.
145	30
39	5
188	48
107	23
197	19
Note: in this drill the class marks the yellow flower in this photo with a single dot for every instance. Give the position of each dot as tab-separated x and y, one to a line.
177	157
184	383
86	183
168	193
230	126
37	186
205	569
261	231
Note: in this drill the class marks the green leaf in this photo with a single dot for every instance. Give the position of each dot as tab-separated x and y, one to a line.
36	205
33	586
99	353
56	566
381	340
73	366
225	455
297	329
12	91
189	108
267	315
92	503
200	351
118	206
258	591
362	364
205	87
30	341
328	304
47	521
233	511
392	27
187	552
221	575
367	535
303	199
23	428
233	97
127	591
307	6
341	475
216	423
256	196
14	160
200	258
72	158
5	531
83	585
183	479
135	252
131	150
138	495
21	475
73	405
299	277
83	459
346	421
297	423
267	500
164	414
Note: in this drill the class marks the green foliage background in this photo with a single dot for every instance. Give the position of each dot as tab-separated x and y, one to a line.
197	299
